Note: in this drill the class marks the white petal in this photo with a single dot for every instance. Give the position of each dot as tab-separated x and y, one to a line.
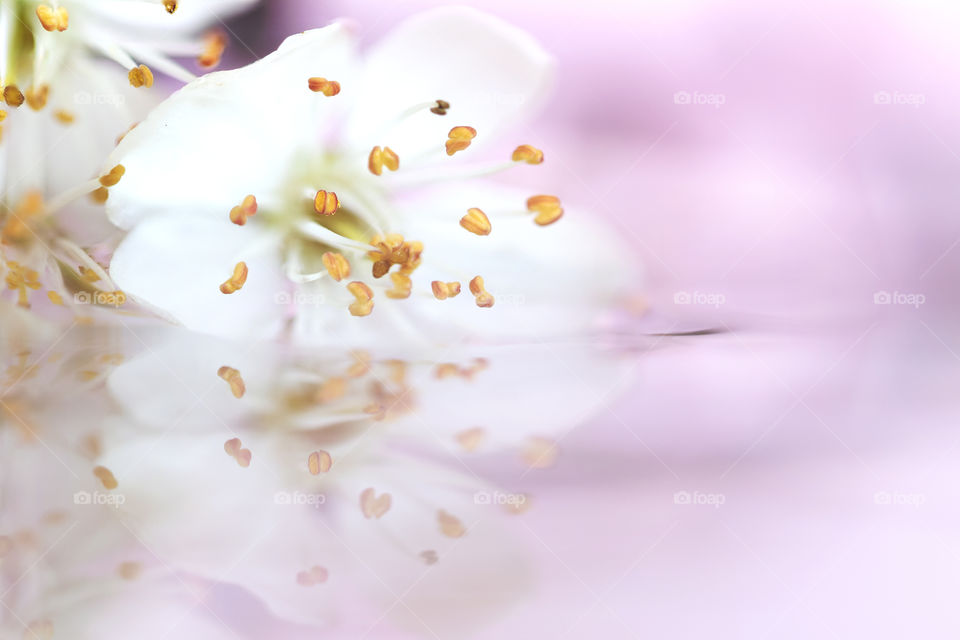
232	133
176	263
492	73
152	17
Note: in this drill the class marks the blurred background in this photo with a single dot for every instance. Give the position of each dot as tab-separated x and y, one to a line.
787	174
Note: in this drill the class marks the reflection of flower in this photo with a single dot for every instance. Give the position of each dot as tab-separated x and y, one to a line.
314	135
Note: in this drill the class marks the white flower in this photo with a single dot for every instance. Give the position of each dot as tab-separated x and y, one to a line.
259	200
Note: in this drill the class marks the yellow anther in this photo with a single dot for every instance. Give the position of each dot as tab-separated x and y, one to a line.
63	116
476	221
380	158
319	462
3	115
17	229
328	88
450	526
471	439
336	265
484	299
234	379
330	390
361	364
547	208
141	76
459	139
440	108
235	450
100	195
364	299
444	290
129	570
314	575
372	505
113	177
326	203
402	286
528	154
446	370
36	97
55	298
240	213
170	5
540	453
237	280
391	250
53	19
13	96
19	278
106	478
214	44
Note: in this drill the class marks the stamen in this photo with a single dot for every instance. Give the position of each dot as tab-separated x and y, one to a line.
471	439
53	19
240	213
215	43
361	365
547	208
64	116
429	556
402	286
234	379
540	453
459	139
484	299
13	96
444	290
106	478
234	449
141	77
374	506
528	154
20	278
36	97
113	177
328	88
326	203
170	6
476	221
336	265
55	298
237	280
380	158
100	195
391	250
441	108
364	299
315	575
319	462
450	526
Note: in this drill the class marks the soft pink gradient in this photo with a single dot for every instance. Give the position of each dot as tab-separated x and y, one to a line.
797	200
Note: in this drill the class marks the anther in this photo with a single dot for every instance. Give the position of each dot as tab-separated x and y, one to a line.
141	77
372	505
234	379
402	286
328	88
240	213
440	108
380	158
459	139
237	280
326	203
106	478
63	116
336	265
471	439
100	195
547	208
476	221
319	462
484	299
13	96
215	43
36	97
450	526
540	453
528	154
53	19
364	299
170	5
113	177
444	290
235	450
